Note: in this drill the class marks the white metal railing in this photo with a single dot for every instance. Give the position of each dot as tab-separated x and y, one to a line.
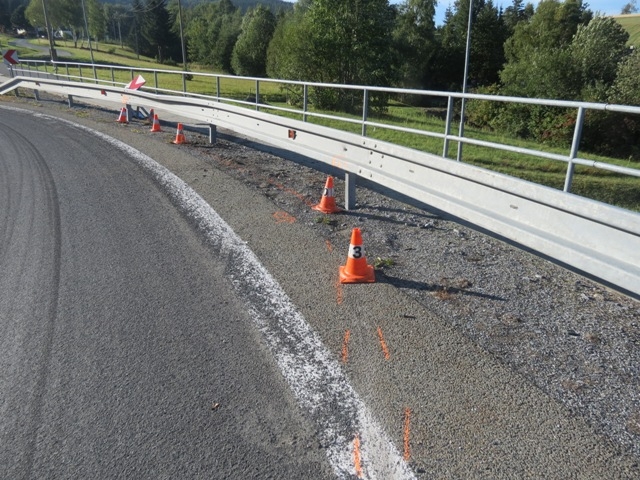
61	70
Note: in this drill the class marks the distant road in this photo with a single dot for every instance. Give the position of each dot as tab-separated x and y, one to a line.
124	352
23	42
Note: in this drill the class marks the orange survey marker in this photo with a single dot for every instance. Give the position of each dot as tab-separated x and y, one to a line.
356	270
328	202
180	138
156	124
123	116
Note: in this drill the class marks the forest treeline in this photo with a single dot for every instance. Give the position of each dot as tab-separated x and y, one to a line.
559	50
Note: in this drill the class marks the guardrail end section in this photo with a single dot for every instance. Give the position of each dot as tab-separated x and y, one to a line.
9	85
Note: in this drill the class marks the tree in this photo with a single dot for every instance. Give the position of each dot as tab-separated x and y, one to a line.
631	7
156	30
18	19
414	40
249	56
211	31
597	49
96	19
539	62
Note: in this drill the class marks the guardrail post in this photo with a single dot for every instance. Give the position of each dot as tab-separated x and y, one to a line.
213	133
577	135
350	191
36	94
155	80
184	83
305	101
70	101
447	127
80	70
113	78
365	111
218	88
11	74
67	67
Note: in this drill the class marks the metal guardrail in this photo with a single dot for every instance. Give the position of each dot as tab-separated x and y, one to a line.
600	240
62	70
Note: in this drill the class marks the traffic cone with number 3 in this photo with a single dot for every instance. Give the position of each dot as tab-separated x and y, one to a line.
356	270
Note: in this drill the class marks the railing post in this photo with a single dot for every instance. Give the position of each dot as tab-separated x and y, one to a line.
155	80
447	127
80	73
67	68
218	88
305	101
577	135
257	95
184	83
113	78
365	112
461	131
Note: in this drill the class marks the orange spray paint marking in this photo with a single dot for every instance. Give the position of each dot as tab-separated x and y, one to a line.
340	297
284	217
329	246
356	456
345	346
383	344
407	432
296	194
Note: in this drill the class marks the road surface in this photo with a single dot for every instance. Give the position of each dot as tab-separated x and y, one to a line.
124	351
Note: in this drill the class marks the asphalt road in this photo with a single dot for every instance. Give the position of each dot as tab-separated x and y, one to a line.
124	351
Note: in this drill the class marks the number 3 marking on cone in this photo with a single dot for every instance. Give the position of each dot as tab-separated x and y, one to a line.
356	251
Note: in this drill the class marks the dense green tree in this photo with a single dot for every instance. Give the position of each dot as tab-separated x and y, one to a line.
597	49
515	13
249	56
96	19
211	31
156	30
414	40
488	34
539	60
289	50
18	18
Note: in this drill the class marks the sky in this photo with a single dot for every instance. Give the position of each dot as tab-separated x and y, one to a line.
607	7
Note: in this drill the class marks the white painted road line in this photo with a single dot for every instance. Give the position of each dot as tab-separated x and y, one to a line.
314	376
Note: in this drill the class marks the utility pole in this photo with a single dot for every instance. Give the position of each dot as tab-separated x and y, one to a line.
464	83
52	48
86	28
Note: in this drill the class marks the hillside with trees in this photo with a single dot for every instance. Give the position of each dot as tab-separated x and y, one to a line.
557	50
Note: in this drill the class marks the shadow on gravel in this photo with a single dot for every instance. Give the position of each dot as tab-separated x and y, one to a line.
442	291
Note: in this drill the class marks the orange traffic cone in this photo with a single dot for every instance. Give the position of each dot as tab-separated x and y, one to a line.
156	124
123	116
356	270
180	138
328	202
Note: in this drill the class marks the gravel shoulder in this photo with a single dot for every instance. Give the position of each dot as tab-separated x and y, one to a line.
510	366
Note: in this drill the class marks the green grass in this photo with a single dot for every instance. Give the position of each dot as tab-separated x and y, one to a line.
631	24
616	189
